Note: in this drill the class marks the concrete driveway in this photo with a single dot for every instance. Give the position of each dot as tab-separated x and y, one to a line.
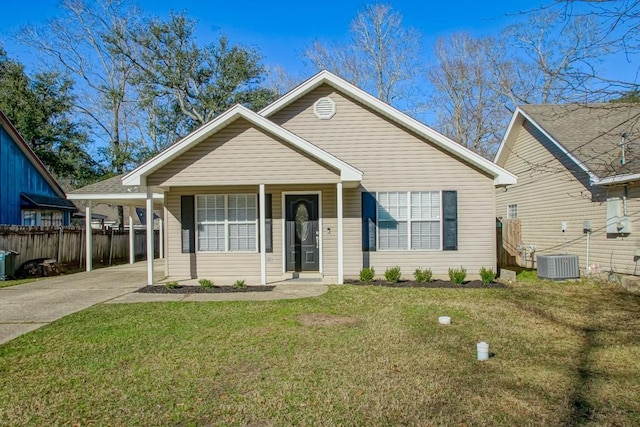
24	308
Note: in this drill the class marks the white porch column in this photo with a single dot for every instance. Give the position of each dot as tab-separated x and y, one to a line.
340	232
88	237
132	234
263	236
149	236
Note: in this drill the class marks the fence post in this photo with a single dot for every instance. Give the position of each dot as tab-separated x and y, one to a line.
59	254
111	246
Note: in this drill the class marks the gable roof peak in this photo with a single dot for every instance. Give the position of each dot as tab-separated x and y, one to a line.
501	176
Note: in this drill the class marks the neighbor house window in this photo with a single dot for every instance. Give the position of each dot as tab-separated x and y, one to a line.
42	218
512	212
29	217
227	223
409	220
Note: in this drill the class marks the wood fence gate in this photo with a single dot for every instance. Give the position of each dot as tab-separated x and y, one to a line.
508	238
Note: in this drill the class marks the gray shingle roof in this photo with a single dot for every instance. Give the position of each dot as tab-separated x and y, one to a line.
108	186
593	133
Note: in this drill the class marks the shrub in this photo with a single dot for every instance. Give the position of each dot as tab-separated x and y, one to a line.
457	276
206	283
487	275
423	275
240	284
367	274
392	274
171	285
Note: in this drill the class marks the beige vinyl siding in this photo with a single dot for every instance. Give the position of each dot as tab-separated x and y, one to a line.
393	159
552	189
242	155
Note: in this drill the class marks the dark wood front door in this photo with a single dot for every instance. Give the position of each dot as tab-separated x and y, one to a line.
302	232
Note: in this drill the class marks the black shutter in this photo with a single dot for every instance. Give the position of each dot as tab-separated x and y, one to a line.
450	220
368	221
268	223
188	220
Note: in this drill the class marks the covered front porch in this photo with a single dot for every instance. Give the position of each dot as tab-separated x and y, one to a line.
216	232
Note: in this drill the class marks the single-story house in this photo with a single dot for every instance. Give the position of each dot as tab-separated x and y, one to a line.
578	189
322	182
29	194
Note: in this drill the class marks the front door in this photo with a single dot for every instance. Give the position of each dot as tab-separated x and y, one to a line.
302	232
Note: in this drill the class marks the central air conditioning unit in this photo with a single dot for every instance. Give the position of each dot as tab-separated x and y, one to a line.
558	267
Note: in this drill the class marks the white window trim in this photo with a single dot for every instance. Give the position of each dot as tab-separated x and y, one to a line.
409	220
226	224
509	216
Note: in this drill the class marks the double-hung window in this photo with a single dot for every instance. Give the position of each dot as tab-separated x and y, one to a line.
409	220
227	223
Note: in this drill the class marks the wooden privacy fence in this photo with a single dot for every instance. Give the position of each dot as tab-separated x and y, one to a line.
508	239
67	244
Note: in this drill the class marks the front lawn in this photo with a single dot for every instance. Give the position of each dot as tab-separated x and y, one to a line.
564	354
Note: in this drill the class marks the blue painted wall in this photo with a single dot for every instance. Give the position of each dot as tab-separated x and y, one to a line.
18	174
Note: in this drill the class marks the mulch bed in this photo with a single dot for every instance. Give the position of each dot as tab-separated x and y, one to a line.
471	284
161	289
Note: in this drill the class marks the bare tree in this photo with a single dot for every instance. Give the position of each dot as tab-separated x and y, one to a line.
614	28
556	60
382	56
478	82
75	44
466	99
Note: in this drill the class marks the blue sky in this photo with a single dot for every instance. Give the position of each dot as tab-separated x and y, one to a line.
281	30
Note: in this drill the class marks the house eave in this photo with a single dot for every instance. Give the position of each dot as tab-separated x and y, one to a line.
617	179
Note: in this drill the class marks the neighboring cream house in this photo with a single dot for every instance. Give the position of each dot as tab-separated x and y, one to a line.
578	169
322	182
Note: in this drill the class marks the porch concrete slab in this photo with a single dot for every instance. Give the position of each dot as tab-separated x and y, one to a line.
29	306
9	331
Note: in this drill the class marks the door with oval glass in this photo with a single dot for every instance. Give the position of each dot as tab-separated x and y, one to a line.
302	232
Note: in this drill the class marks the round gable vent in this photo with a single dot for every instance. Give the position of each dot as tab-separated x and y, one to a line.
324	108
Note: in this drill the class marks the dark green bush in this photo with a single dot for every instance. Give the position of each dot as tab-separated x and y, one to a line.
457	276
393	274
367	274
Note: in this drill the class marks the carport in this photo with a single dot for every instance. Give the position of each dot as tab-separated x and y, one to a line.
111	191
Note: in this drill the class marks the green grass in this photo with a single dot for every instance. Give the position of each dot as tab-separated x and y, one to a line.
7	283
565	354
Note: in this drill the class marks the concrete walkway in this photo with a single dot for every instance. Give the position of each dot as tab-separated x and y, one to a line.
24	308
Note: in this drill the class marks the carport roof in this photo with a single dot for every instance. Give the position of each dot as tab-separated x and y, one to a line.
112	191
